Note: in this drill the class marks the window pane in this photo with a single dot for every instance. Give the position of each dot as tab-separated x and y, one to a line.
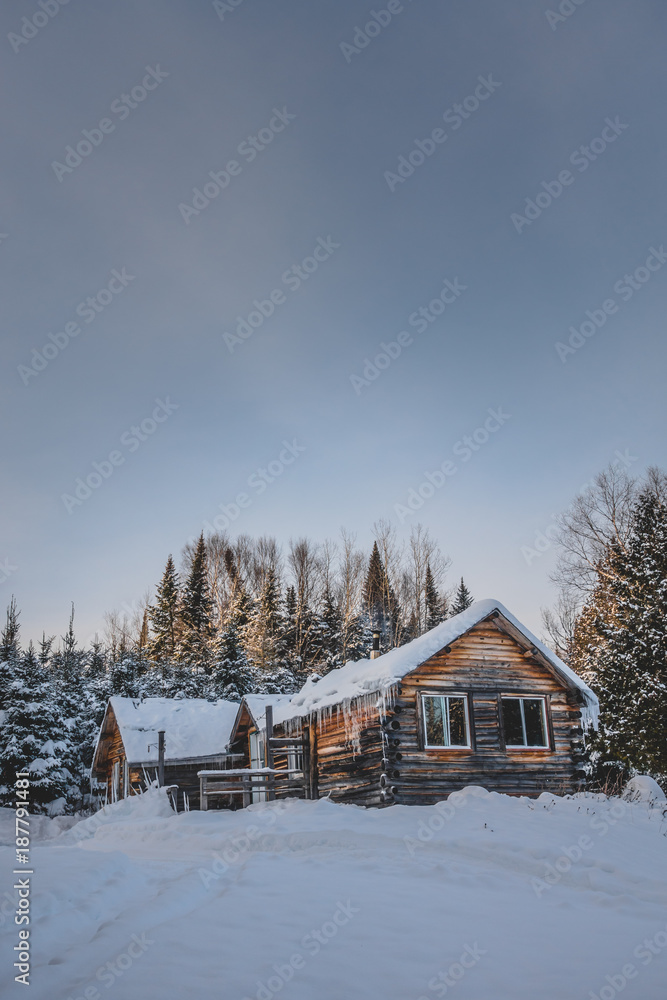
512	722
435	730
532	712
458	734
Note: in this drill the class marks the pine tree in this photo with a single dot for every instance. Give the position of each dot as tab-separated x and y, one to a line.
31	729
265	627
9	638
624	640
97	683
462	600
232	674
124	674
67	668
290	626
197	613
356	637
432	601
10	650
142	644
45	646
380	603
374	588
164	616
330	628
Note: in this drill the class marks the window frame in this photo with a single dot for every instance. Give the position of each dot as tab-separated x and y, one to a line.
445	697
546	721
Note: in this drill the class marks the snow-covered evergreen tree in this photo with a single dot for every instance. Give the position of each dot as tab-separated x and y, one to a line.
621	644
165	616
265	626
30	728
356	637
462	600
380	602
330	638
10	650
75	713
432	601
289	628
197	614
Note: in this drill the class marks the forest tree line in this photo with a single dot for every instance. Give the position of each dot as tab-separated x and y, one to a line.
242	615
239	616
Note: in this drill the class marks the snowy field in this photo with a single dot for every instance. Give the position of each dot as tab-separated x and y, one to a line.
484	897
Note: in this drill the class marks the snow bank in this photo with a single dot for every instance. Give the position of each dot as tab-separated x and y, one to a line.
367	678
42	827
135	809
643	788
296	900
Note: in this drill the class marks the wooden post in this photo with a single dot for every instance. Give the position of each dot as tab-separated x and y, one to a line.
203	801
305	738
270	784
160	757
247	797
312	759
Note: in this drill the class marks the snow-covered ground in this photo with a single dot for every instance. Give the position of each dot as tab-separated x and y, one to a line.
484	897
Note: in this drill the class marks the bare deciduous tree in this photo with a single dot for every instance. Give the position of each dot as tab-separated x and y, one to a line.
596	520
422	552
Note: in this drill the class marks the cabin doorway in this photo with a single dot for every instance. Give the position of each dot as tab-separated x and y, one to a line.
257	761
115	781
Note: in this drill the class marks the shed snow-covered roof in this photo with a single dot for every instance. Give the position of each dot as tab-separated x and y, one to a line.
257	705
193	727
362	678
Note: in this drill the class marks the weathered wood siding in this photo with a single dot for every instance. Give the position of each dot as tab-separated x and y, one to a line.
347	769
483	664
111	750
389	762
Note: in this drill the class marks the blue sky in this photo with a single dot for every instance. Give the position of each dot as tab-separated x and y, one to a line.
332	123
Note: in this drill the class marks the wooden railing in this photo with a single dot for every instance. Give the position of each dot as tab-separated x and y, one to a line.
245	781
268	779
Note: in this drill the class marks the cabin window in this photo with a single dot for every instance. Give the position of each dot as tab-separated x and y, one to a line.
525	722
446	721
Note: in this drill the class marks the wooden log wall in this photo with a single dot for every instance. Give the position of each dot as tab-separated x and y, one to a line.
111	751
390	763
484	664
349	770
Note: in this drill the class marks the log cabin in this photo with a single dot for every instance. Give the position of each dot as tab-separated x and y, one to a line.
196	736
478	700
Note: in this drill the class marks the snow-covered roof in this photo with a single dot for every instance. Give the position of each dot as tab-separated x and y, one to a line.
361	678
257	705
193	727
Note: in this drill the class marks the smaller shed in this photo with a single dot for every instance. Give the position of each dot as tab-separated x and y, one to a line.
197	733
